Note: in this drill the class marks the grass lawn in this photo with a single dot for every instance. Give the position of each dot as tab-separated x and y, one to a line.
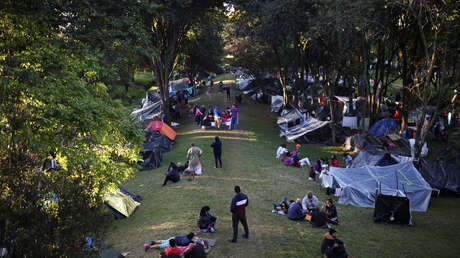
248	160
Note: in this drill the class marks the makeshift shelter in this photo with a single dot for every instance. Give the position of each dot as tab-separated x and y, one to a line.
373	156
290	118
121	205
163	128
277	103
442	174
359	185
310	130
178	85
383	127
151	108
391	143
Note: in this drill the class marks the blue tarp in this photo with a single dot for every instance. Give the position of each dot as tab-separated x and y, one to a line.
383	127
359	185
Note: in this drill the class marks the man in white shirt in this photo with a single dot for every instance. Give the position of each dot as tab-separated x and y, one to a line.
310	202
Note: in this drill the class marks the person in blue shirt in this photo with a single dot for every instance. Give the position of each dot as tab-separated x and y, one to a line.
217	116
295	211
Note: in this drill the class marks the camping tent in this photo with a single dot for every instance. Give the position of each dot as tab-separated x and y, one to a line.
383	127
120	204
359	184
163	129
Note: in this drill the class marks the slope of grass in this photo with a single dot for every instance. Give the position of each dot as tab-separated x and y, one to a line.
248	160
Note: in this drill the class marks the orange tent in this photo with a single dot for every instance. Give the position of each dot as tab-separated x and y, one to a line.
163	129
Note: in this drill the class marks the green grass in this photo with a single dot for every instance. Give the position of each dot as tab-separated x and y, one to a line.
147	78
248	159
223	77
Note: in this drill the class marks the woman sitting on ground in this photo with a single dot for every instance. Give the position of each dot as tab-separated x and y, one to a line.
281	151
331	212
206	221
291	159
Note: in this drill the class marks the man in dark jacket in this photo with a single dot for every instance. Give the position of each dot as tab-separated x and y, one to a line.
238	209
217	149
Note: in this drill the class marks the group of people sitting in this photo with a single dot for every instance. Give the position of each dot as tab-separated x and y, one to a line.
189	245
205	117
308	209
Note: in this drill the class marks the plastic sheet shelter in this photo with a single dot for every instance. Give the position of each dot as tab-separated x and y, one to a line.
121	202
383	127
359	185
178	85
371	156
441	174
305	127
276	103
151	108
163	129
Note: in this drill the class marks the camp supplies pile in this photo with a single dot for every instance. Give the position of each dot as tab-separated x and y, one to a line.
358	185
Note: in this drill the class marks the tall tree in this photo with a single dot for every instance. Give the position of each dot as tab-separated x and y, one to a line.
166	25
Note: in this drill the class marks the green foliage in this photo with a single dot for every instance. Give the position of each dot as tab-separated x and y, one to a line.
53	99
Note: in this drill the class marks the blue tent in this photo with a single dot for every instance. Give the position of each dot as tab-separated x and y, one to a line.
383	127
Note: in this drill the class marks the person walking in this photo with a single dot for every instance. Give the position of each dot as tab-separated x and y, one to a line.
217	149
193	157
234	121
238	209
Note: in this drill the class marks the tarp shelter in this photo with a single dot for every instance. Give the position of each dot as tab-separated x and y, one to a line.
277	103
372	156
300	131
163	129
359	185
151	108
122	205
383	127
441	174
290	118
178	85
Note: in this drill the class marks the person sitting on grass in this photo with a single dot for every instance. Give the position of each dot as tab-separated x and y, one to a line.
331	212
281	151
172	174
348	159
318	218
330	239
295	211
164	244
336	249
310	202
206	221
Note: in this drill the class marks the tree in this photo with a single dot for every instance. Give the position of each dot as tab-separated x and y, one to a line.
53	100
166	25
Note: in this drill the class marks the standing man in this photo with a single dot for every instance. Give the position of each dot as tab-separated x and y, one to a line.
234	121
238	209
193	157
